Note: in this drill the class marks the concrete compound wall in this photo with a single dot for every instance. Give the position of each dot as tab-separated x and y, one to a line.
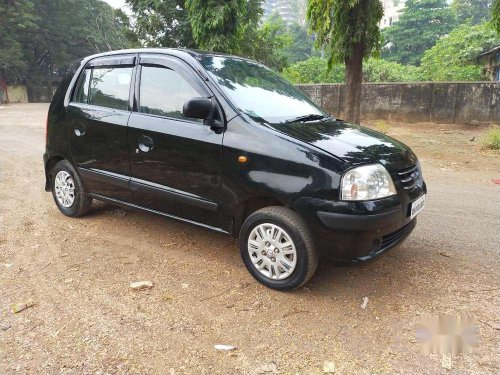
441	102
29	93
17	94
41	94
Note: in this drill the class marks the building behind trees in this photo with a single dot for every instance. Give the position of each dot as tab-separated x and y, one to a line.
292	11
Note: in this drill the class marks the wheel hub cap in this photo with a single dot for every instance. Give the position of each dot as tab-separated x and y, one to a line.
272	251
65	189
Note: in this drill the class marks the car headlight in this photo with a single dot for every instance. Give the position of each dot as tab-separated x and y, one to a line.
366	183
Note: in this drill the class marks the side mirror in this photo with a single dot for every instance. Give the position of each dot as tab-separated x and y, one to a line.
202	108
198	108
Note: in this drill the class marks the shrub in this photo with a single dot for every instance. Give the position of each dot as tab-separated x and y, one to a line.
382	126
378	70
314	70
492	139
453	58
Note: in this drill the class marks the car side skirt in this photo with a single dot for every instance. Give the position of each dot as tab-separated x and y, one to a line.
141	208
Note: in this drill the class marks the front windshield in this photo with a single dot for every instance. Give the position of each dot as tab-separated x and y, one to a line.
258	91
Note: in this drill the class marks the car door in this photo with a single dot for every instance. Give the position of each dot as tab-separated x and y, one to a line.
175	161
97	117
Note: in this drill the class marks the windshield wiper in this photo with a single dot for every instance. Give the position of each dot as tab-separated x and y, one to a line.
305	118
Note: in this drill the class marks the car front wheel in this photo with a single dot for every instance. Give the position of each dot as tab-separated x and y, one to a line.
277	248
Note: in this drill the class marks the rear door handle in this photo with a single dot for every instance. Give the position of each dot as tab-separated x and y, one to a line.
145	143
79	129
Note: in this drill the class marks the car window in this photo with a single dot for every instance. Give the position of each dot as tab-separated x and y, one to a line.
109	87
82	91
163	92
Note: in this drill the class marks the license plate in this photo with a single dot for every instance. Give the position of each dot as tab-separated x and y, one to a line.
417	206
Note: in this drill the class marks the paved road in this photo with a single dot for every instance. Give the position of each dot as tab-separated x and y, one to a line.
87	320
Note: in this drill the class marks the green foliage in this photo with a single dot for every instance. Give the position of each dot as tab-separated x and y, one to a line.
277	45
454	56
39	39
378	70
67	30
420	25
348	30
162	23
382	126
340	25
124	24
315	70
492	139
495	15
302	44
472	11
220	25
268	44
15	19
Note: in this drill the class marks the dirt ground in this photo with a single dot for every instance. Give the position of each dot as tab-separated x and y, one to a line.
87	320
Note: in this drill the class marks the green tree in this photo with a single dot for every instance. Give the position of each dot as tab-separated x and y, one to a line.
230	27
314	70
472	11
349	32
495	13
162	23
17	17
40	39
454	56
268	44
420	25
58	39
302	44
220	25
124	24
277	44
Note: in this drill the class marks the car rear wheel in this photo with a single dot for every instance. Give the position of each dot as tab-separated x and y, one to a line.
68	191
277	248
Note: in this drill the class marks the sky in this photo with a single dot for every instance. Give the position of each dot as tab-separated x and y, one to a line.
116	3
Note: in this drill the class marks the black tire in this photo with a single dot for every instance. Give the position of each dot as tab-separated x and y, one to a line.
82	202
298	231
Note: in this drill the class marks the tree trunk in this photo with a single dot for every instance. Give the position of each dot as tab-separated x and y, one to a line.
354	79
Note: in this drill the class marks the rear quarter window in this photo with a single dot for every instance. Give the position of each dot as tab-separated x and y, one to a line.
82	89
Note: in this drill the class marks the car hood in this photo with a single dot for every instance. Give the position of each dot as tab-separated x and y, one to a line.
353	144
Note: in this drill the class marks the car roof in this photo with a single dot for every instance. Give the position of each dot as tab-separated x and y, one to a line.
186	54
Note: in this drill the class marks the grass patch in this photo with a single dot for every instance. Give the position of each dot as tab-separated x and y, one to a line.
382	126
492	139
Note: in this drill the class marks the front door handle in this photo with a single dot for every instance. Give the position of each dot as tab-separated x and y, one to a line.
79	129
145	143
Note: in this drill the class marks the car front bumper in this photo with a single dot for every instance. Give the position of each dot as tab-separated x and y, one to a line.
360	231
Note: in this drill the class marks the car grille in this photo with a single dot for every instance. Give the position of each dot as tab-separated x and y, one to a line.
392	238
409	177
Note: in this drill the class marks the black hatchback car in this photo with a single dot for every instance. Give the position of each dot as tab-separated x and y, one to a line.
227	144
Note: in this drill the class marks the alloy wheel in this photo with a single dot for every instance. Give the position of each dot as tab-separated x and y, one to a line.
65	189
272	251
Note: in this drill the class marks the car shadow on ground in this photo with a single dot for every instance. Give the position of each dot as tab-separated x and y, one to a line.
381	276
